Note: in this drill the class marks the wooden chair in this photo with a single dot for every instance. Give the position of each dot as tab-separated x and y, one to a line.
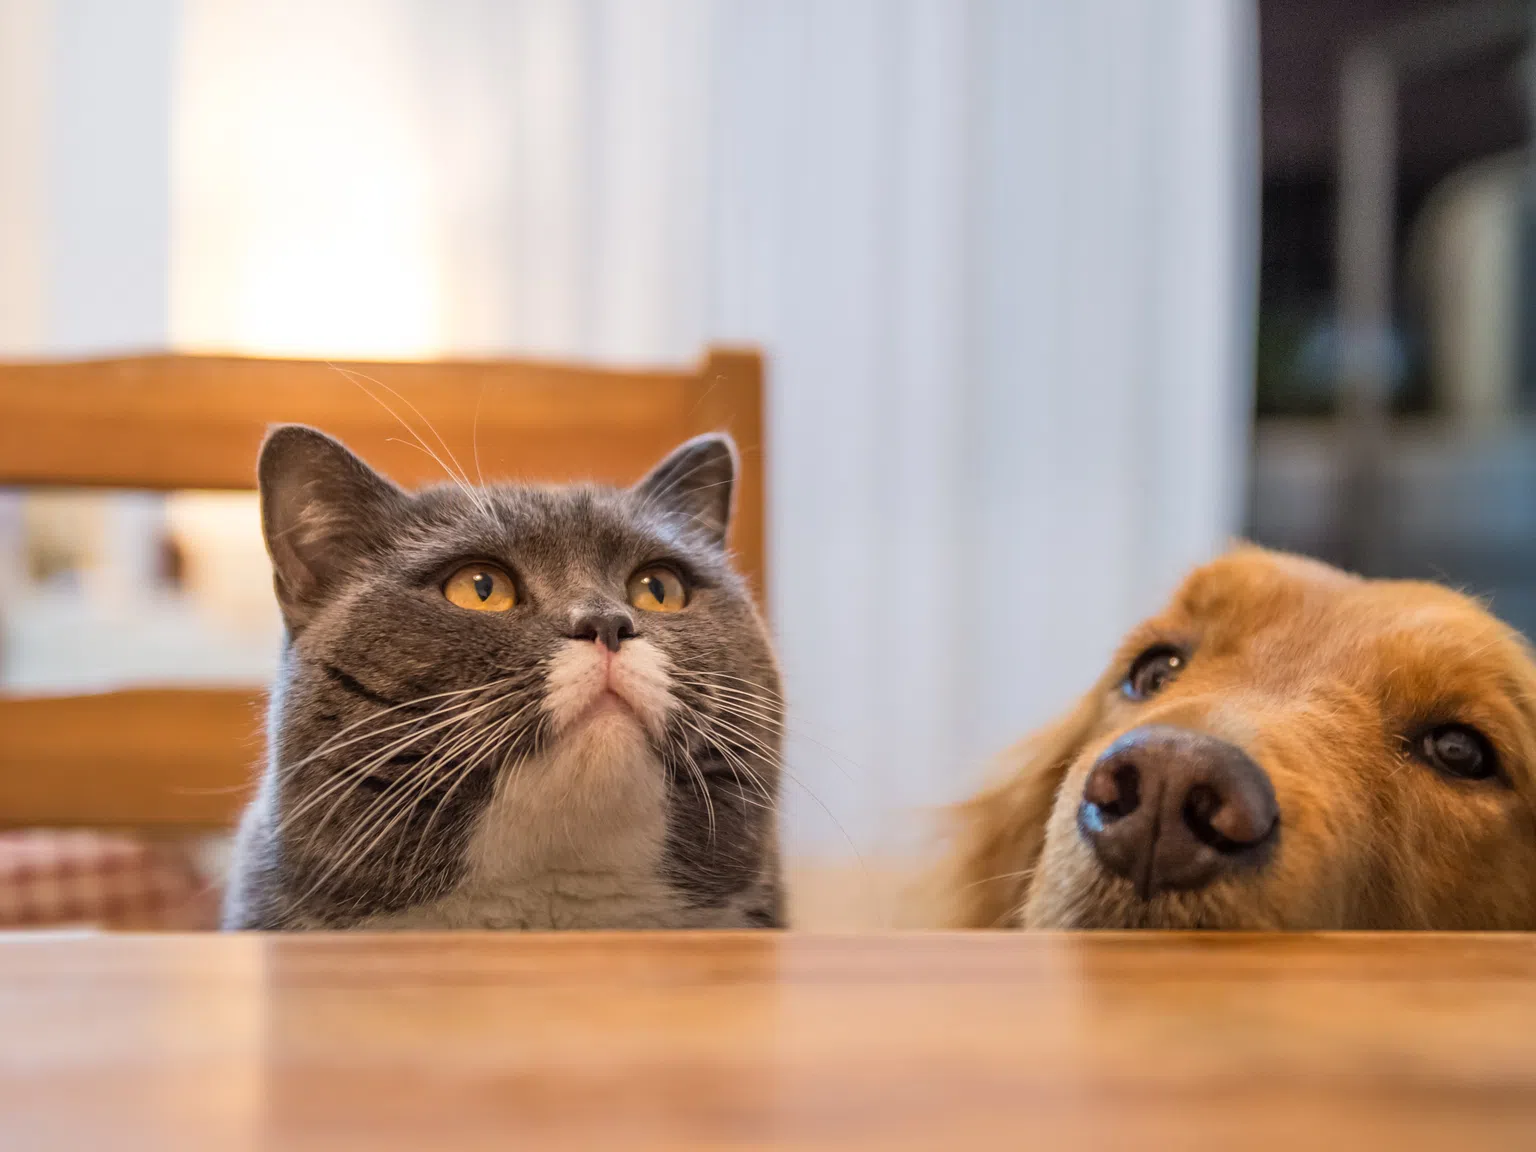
171	761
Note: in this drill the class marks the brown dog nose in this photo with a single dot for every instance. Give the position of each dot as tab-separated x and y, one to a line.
1171	809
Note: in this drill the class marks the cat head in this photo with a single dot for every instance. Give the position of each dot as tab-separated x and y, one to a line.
579	665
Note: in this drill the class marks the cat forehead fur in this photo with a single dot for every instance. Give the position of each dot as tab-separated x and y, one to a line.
565	548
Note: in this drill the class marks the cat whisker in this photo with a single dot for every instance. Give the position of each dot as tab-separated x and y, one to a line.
1022	874
410	800
488	737
739	768
331	744
449	745
752	741
346	782
766	711
730	763
380	815
736	764
474	436
756	745
348	779
734	688
696	776
752	791
493	745
713	677
431	776
717	691
421	727
459	477
767	717
424	841
837	759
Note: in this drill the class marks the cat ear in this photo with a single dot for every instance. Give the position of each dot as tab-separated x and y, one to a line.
695	482
322	509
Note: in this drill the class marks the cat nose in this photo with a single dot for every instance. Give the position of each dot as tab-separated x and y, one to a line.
610	627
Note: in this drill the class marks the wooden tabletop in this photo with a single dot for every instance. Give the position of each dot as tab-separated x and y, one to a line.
778	1040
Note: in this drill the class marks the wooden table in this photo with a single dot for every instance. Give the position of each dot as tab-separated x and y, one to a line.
684	1041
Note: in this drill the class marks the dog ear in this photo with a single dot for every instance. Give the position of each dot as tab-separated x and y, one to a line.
996	836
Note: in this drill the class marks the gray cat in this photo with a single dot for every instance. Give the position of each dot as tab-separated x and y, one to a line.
509	706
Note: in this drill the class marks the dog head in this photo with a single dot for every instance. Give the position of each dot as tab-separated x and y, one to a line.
1284	746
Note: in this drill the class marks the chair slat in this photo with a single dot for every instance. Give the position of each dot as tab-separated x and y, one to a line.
166	422
144	758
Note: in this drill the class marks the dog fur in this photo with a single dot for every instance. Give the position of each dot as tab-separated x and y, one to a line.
1323	678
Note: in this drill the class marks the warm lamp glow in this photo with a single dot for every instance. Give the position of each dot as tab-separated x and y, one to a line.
303	220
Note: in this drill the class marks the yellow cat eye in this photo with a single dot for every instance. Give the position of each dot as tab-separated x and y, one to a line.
480	588
657	590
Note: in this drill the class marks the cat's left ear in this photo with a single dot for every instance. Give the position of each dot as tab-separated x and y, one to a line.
696	483
323	512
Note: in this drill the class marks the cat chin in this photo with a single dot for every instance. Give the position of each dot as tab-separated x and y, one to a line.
607	730
585	685
606	709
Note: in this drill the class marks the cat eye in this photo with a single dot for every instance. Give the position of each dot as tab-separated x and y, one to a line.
657	589
1152	671
1457	750
480	588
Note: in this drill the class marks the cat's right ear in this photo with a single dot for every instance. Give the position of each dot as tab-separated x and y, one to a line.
695	483
322	510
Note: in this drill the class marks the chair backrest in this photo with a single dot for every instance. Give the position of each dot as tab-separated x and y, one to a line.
169	759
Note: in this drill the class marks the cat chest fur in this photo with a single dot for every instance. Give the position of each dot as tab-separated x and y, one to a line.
575	839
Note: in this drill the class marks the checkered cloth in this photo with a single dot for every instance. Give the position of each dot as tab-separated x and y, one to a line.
104	880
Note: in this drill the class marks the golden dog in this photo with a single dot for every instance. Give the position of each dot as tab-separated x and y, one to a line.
1285	746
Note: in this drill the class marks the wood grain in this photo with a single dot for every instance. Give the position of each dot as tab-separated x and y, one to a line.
151	759
729	394
163	759
769	1040
172	421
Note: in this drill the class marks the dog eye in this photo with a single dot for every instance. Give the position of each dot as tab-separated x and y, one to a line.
1459	751
1152	670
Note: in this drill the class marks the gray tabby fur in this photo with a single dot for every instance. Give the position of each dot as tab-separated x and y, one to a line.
433	767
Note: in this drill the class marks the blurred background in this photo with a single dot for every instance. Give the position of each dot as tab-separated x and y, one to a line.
1057	299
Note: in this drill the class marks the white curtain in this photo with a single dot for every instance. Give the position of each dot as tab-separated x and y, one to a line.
1000	252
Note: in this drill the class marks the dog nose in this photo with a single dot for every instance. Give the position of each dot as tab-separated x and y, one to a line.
607	626
1171	809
